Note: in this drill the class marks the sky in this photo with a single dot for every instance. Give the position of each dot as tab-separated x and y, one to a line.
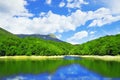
73	21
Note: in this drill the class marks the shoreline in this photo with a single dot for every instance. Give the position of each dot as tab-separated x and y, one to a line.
24	57
105	57
30	57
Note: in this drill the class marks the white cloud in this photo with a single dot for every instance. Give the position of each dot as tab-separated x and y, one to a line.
48	2
45	24
17	78
77	37
92	32
42	14
62	4
51	22
14	7
79	18
8	11
48	22
106	20
103	16
75	3
113	5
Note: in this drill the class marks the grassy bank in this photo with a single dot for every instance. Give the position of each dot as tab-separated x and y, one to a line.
30	57
106	58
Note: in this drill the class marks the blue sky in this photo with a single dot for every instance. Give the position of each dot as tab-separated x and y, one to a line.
74	21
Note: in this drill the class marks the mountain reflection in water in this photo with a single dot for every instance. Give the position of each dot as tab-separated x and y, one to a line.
70	72
67	68
71	58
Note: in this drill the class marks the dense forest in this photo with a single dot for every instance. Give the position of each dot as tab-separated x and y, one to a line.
11	45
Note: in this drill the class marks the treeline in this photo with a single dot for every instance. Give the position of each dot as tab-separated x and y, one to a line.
11	45
33	46
108	45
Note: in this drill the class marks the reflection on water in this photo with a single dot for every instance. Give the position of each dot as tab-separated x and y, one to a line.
74	72
70	72
71	58
82	69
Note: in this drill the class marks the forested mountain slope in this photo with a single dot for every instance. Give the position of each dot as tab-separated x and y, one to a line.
10	44
107	45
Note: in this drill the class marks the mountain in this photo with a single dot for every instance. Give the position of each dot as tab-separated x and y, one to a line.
4	33
46	37
107	45
11	45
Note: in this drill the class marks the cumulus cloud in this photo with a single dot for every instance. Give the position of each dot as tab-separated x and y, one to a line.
9	10
77	37
106	20
46	23
15	18
113	5
48	2
14	8
103	16
92	32
75	3
62	4
51	22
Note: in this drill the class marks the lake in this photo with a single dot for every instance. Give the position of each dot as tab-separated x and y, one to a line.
68	68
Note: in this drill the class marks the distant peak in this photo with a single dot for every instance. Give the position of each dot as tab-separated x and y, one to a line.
52	35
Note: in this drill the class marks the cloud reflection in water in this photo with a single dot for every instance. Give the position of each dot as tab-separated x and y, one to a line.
70	72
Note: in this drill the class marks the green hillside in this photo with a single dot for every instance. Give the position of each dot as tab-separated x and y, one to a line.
11	45
6	34
107	45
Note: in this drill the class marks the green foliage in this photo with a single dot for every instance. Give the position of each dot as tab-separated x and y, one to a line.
11	45
108	45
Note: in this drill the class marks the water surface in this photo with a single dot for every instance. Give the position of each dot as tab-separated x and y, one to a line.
60	69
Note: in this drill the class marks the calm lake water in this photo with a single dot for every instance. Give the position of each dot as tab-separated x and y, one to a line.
69	68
